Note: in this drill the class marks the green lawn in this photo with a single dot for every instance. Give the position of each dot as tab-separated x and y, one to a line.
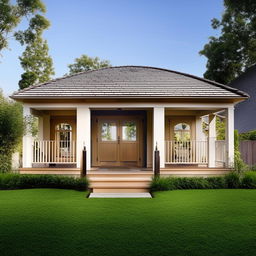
64	222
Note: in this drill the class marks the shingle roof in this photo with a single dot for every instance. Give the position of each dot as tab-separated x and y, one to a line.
129	82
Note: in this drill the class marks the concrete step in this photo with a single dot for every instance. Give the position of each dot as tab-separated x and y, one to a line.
120	195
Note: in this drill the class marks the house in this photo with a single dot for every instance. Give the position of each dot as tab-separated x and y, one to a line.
245	112
120	115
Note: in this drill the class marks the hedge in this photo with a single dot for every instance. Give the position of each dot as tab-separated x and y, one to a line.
232	180
23	181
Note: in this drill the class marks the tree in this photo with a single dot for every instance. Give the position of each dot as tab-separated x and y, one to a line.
35	60
37	63
11	15
11	130
234	50
85	63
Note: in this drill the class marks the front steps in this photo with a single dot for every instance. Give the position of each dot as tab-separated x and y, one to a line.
119	181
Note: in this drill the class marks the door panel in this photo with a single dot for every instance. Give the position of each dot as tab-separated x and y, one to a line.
108	141
129	152
129	141
119	141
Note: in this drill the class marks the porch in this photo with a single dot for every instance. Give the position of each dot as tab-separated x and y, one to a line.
131	135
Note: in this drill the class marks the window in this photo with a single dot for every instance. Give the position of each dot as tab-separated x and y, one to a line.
63	132
63	135
108	131
129	131
182	132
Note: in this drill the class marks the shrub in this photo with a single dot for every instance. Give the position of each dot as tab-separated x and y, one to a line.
190	183
161	184
239	164
216	182
251	135
11	130
23	181
232	180
174	183
249	180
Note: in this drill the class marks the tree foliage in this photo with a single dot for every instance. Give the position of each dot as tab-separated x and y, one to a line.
11	14
220	128
85	63
35	60
234	50
11	130
251	135
37	25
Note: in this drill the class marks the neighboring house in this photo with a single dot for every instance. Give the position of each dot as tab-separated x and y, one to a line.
120	115
245	112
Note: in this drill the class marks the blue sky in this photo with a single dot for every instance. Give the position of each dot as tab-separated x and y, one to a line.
161	33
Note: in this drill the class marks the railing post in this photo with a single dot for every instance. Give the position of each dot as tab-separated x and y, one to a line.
84	169
156	162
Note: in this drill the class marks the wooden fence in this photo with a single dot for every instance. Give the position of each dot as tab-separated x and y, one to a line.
248	151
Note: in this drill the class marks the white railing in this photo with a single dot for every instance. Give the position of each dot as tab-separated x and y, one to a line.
51	151
186	152
220	151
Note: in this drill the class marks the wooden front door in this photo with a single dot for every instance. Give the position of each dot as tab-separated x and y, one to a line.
119	141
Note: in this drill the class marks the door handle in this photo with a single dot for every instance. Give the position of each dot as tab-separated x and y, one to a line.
118	139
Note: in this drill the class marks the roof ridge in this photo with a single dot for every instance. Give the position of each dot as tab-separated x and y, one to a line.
226	87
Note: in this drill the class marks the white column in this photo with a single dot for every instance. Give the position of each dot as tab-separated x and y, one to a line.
27	141
211	141
40	127
230	136
200	136
159	133
83	122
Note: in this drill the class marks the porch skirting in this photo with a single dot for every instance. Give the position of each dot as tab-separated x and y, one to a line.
135	172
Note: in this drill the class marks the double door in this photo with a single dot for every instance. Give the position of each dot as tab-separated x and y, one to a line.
119	141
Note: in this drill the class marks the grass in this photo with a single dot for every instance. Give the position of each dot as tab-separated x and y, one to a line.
189	222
